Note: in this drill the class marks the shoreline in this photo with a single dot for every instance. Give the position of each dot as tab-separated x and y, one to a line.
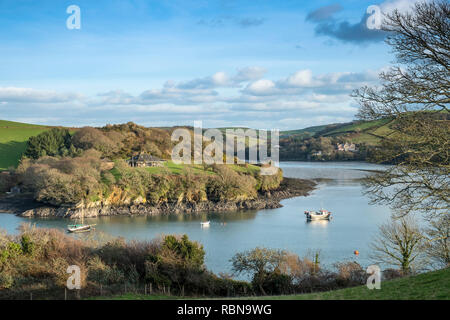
25	206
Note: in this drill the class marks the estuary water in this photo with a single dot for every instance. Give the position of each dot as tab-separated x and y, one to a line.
353	226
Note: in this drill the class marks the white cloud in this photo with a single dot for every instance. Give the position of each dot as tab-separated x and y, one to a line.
14	94
400	5
249	73
302	78
244	98
261	87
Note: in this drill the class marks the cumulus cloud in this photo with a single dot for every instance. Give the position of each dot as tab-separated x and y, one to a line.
14	94
261	87
301	78
249	73
222	79
250	99
303	81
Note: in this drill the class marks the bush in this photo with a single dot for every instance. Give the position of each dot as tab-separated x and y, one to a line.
54	142
6	280
276	283
350	273
230	185
27	244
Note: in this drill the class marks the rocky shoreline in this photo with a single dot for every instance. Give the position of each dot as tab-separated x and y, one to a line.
25	206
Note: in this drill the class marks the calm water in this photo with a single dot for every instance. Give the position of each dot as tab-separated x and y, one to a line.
353	226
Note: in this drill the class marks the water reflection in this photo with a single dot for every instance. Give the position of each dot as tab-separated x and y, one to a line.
318	223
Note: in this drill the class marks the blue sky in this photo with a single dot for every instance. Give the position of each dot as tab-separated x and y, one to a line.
260	63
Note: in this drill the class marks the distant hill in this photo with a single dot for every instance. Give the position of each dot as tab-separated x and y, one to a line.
320	142
14	135
306	132
370	132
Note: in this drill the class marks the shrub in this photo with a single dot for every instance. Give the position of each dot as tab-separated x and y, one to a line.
350	273
54	142
230	185
27	244
276	283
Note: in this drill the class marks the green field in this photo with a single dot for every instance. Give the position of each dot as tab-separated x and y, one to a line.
198	169
13	141
427	286
369	132
305	133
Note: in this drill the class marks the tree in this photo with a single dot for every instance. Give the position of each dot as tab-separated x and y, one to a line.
414	94
438	247
54	142
92	138
400	242
259	262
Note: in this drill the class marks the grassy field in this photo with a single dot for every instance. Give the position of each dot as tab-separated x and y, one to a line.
198	169
305	133
13	141
427	286
369	132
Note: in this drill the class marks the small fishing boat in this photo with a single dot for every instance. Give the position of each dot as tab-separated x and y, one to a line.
318	215
205	224
78	228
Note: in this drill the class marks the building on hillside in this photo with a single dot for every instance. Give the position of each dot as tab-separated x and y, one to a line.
346	147
145	160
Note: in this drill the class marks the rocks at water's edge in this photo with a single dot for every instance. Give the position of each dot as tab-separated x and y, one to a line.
289	188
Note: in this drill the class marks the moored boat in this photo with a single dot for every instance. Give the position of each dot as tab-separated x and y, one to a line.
318	215
77	228
205	224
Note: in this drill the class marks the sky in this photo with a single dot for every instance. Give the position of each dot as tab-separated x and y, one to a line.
264	64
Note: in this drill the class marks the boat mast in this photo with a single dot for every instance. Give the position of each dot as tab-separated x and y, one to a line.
82	213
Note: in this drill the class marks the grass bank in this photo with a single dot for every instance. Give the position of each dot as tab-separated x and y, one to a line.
433	285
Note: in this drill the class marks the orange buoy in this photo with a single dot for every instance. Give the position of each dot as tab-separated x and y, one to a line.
356	252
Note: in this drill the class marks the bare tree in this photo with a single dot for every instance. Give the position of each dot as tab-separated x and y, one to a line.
438	246
415	95
400	243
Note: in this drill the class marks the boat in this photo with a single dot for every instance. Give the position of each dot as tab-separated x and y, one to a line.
205	224
78	228
318	215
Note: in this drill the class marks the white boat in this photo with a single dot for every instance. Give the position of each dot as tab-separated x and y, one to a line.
78	228
205	224
318	215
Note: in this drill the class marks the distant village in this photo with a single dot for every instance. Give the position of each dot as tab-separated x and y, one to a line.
344	147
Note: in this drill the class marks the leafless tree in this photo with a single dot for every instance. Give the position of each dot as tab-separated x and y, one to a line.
399	242
438	246
415	95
